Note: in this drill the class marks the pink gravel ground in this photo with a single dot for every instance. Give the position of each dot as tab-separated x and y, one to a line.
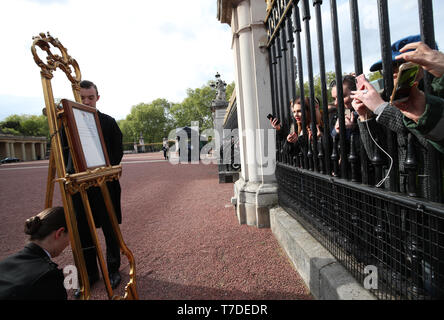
180	226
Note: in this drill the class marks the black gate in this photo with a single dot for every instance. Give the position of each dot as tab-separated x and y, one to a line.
330	184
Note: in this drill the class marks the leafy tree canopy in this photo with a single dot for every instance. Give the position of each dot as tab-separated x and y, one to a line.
26	125
149	120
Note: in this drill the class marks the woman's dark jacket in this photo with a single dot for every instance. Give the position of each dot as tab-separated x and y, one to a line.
31	275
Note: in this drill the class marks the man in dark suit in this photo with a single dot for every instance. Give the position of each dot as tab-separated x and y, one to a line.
113	141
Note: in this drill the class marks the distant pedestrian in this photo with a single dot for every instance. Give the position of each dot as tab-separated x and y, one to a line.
165	151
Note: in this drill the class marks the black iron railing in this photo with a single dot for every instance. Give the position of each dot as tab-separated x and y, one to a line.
328	184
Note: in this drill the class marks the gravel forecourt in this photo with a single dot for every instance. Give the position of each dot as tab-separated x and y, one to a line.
180	226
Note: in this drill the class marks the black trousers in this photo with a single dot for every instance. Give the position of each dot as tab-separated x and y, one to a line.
89	249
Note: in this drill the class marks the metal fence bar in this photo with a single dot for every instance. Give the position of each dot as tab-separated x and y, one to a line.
428	36
297	30
275	90
284	43
357	52
291	75
325	118
386	53
314	146
274	96
339	89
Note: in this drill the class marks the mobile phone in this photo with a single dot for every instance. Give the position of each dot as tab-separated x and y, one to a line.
347	112
405	80
271	117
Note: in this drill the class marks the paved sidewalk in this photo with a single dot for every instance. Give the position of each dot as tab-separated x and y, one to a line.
183	232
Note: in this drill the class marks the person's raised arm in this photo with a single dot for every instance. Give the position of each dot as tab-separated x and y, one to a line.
431	60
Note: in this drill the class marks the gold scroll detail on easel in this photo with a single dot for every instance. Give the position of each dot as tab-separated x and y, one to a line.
78	182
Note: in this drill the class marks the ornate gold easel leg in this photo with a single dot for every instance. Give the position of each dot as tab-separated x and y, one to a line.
71	224
92	228
76	245
50	181
130	289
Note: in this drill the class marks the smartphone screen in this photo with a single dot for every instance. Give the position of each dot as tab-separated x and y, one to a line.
406	78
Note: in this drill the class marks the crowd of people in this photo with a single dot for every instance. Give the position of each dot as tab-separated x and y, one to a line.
368	115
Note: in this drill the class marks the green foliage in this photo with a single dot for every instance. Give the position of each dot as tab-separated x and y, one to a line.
330	76
195	107
374	76
26	125
229	90
150	120
10	131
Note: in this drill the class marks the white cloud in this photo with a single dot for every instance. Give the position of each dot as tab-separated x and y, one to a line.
135	50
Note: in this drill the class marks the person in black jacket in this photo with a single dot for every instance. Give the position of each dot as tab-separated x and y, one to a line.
30	273
113	141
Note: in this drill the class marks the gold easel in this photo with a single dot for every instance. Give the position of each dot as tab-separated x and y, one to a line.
81	180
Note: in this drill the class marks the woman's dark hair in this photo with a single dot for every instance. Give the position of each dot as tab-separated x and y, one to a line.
47	221
348	80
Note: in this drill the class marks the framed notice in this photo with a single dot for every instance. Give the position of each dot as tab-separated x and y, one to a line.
85	136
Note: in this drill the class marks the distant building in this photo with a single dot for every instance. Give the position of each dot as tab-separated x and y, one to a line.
22	147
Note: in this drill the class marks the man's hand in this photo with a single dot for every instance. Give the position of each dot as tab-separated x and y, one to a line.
363	112
431	60
414	107
369	97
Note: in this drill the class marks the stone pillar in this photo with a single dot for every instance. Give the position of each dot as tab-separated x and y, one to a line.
8	150
42	151
33	156
12	149
256	190
23	152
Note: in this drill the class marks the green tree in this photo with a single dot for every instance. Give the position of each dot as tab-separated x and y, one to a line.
150	120
229	90
329	76
195	107
35	126
374	76
27	125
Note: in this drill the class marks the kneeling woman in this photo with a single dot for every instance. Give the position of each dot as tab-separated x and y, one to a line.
30	274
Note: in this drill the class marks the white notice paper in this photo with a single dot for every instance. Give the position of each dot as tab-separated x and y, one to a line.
89	138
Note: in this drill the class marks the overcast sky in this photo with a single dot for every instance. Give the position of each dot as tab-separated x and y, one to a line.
140	50
134	50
